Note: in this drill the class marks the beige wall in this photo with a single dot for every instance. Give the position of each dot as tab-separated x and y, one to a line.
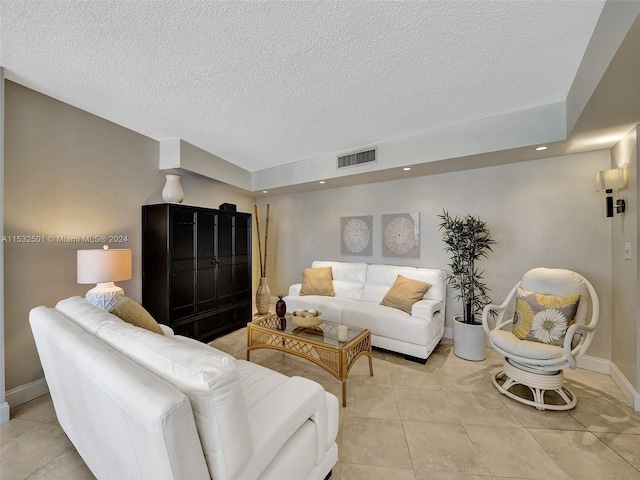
541	213
70	173
624	296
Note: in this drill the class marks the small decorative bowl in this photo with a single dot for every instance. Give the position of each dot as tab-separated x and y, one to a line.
307	321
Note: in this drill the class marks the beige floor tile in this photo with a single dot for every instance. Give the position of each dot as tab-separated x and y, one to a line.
598	415
66	466
412	376
423	475
369	472
31	451
575	451
462	379
442	447
376	402
15	428
531	417
512	451
359	374
39	410
481	408
374	441
627	446
424	406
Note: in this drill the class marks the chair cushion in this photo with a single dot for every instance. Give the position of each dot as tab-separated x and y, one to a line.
543	318
404	293
130	311
317	281
508	342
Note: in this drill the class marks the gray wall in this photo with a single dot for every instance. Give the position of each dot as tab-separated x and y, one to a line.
70	173
542	213
624	296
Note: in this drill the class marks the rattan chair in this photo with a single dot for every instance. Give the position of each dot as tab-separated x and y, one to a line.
534	361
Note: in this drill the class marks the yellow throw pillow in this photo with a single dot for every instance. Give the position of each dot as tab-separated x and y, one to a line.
543	318
132	312
317	281
404	293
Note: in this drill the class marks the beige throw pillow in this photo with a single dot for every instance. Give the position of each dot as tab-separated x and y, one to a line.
132	312
404	293
317	281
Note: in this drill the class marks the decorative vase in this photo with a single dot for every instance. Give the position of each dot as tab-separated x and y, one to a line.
281	307
263	297
172	191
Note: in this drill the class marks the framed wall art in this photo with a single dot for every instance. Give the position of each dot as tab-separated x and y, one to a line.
401	235
357	235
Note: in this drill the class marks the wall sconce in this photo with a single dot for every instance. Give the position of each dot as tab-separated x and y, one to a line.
104	267
608	181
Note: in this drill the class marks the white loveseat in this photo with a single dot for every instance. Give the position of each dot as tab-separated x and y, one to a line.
139	405
360	287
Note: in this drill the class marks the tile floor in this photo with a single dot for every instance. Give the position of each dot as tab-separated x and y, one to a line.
439	421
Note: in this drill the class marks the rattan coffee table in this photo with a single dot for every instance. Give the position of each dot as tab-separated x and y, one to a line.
319	345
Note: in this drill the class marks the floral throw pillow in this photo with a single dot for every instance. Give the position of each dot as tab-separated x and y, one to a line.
543	318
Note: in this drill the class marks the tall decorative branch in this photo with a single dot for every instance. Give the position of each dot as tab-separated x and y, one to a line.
255	208
266	239
263	263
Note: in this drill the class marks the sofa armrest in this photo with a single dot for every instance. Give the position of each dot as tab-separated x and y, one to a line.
425	309
167	330
294	290
278	415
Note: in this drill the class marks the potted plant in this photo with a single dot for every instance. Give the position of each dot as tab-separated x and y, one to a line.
467	240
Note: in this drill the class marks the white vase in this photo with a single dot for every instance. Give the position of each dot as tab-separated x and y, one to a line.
469	340
172	191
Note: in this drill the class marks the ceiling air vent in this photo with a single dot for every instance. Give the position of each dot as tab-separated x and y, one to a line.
357	158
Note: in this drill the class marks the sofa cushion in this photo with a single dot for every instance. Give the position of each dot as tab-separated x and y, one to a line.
387	322
317	281
348	278
543	318
257	381
380	278
210	381
404	293
331	307
132	312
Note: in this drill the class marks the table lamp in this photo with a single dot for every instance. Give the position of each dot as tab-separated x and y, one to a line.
104	266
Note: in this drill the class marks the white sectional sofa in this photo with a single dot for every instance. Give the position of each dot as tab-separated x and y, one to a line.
360	287
139	405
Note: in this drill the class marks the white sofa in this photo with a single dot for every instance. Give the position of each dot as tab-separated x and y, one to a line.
139	405
360	287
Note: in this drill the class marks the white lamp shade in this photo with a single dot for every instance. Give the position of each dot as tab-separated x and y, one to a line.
610	179
104	265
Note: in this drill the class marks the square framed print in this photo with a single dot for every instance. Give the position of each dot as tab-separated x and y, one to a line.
356	235
401	235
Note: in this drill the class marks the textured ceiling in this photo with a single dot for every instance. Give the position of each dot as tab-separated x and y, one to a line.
262	84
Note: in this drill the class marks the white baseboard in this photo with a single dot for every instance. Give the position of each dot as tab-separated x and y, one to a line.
595	364
625	387
26	393
4	413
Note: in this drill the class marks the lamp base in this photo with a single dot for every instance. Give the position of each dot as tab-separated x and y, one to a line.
104	295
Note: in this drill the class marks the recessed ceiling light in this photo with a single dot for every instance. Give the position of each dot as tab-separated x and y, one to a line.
539	149
406	169
322	182
265	191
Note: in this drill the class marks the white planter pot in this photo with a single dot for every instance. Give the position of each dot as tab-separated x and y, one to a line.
469	340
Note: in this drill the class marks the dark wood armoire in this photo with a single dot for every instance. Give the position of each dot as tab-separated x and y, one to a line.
196	269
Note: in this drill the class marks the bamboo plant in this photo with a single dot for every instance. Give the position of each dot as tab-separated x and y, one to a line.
467	240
